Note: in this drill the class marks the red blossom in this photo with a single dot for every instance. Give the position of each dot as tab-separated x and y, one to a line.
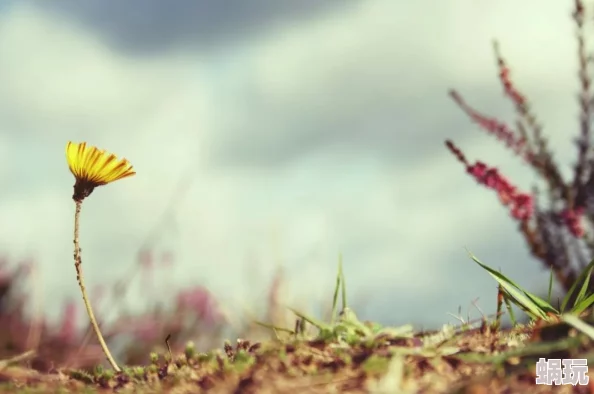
571	203
493	126
508	86
572	218
521	204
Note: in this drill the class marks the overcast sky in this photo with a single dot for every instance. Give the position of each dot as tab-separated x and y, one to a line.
298	130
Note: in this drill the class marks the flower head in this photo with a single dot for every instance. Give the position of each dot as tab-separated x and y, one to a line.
93	167
521	204
572	218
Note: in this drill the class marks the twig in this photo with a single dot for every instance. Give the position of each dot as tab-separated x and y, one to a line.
17	359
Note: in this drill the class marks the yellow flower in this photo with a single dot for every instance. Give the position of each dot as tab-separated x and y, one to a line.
93	167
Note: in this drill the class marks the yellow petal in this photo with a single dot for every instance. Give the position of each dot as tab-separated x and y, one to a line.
95	167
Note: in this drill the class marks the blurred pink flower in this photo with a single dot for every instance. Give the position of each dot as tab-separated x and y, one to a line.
521	204
201	302
491	125
167	259
67	331
572	218
145	259
144	328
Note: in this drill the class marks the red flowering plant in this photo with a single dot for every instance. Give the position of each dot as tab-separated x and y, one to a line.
559	235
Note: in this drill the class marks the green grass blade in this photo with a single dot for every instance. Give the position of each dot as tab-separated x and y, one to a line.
510	310
405	331
584	304
314	322
497	323
581	279
539	302
273	327
342	283
519	296
335	296
523	307
550	292
578	323
584	288
545	306
496	274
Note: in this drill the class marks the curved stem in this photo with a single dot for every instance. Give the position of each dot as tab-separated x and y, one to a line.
81	283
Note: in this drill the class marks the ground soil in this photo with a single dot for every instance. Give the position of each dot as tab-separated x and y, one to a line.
479	360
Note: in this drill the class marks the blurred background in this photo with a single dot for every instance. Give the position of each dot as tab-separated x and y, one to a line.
268	137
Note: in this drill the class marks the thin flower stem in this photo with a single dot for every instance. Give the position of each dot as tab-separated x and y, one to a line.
81	283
